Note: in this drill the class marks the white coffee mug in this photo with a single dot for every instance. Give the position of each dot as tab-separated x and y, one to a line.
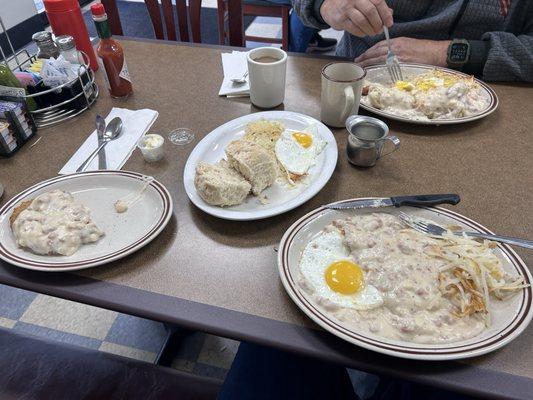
266	71
342	83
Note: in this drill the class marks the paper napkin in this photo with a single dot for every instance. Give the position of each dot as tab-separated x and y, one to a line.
135	123
234	65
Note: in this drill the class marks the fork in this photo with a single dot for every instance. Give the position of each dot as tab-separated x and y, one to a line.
393	65
436	230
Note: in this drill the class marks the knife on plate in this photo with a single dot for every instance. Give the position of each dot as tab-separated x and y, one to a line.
397	201
100	129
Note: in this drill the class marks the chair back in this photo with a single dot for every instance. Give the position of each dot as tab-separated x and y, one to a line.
155	9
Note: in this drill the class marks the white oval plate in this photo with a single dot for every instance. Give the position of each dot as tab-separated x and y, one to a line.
98	190
379	74
211	149
509	318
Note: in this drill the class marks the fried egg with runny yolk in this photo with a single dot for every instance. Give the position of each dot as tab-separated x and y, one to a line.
327	268
304	139
344	277
297	150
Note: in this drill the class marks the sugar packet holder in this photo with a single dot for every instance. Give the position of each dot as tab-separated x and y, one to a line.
16	125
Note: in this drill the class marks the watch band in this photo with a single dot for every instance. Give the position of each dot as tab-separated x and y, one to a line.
455	63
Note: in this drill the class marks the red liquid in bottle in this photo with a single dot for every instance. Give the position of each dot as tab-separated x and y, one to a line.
111	56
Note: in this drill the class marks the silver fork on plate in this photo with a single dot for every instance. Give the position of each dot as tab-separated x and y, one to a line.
435	230
393	65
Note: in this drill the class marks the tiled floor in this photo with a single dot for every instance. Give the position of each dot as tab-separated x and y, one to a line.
109	331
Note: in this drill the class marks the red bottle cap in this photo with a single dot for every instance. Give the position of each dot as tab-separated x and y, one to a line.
98	9
60	5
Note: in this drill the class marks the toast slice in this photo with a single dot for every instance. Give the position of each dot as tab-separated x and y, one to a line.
220	185
253	162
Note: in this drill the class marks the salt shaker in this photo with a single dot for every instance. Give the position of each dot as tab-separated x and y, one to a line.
68	49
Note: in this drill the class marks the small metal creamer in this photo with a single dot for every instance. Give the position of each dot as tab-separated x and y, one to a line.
366	140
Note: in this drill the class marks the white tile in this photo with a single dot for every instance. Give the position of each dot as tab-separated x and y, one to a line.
264	30
267	20
7	323
209	4
127	351
332	33
67	316
183	365
218	352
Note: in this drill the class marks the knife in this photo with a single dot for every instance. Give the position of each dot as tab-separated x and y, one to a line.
397	201
100	129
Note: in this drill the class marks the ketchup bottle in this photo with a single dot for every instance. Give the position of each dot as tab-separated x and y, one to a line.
111	56
65	19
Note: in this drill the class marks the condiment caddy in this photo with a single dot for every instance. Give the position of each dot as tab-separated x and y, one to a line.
48	105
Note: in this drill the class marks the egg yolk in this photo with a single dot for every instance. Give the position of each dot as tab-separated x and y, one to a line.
304	139
403	85
447	82
344	277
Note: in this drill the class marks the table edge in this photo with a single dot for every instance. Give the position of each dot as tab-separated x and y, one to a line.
455	376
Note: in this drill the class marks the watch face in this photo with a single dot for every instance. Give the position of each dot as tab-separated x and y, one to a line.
458	52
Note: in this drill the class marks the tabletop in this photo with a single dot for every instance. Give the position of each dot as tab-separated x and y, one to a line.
221	276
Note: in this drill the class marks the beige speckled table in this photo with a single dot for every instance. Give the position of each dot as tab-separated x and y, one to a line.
221	276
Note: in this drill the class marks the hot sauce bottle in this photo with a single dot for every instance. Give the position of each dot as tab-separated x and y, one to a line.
111	56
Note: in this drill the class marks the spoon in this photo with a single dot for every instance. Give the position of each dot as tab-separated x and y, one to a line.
240	81
112	131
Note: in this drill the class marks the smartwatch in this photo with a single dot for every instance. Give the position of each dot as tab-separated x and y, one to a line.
458	53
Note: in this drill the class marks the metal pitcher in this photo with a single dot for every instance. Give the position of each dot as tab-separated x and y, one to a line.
367	137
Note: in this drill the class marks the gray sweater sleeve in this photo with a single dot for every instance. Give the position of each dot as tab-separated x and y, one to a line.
306	11
510	57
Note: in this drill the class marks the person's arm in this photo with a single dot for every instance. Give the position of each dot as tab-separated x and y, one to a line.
509	57
306	11
500	56
358	17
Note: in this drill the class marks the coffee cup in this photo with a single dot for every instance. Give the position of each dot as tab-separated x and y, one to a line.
266	71
342	84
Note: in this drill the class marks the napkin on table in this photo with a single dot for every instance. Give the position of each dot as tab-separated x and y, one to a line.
135	123
234	65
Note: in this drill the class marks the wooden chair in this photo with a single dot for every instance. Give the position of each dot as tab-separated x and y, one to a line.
258	8
154	10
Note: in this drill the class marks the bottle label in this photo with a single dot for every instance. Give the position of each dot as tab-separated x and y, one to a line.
124	72
102	68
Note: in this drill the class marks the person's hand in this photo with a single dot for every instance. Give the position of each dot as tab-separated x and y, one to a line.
432	52
358	17
504	7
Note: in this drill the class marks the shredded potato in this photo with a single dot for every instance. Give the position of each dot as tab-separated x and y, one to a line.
471	274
